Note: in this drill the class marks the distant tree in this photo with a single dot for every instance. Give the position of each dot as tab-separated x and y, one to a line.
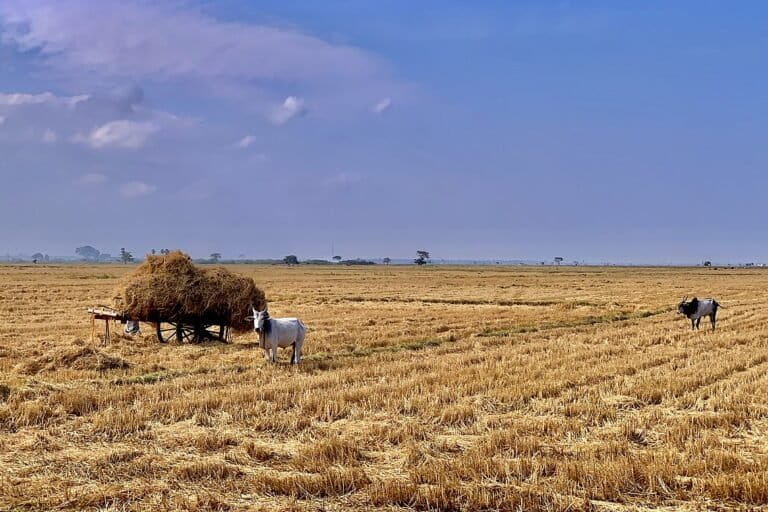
707	263
387	261
38	256
317	262
336	259
357	261
47	258
153	252
422	258
558	260
88	253
165	252
125	256
291	259
215	257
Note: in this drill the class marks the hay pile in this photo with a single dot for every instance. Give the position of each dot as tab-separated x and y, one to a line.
84	358
171	288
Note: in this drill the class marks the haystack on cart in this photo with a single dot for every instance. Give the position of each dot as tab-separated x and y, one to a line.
186	303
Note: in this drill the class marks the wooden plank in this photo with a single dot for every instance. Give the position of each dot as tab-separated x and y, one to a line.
105	313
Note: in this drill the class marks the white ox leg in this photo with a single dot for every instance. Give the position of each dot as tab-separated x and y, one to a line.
297	345
296	352
264	345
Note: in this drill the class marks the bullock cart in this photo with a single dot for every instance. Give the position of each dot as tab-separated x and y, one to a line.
187	303
180	331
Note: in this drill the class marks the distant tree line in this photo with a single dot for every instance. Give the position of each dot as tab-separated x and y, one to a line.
90	254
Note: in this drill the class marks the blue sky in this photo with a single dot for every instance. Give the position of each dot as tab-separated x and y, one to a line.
598	131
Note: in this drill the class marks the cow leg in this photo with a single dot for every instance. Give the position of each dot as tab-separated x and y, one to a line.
266	354
299	344
293	353
297	350
274	351
713	320
698	323
693	324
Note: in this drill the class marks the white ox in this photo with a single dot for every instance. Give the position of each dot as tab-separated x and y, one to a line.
278	332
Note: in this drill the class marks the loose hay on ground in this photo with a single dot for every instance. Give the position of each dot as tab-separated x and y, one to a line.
81	358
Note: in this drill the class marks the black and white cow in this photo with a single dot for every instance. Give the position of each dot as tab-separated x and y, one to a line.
694	309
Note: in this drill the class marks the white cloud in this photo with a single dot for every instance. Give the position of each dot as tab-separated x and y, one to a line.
20	99
246	141
120	134
382	105
136	189
92	179
167	40
116	118
50	136
290	108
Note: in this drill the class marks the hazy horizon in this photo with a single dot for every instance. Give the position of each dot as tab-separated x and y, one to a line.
618	132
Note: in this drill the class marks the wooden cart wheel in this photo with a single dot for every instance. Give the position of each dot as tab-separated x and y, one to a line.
170	331
186	333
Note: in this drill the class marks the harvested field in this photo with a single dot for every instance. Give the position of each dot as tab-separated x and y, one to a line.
437	388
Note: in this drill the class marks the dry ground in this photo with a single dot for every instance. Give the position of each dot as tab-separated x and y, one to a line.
434	388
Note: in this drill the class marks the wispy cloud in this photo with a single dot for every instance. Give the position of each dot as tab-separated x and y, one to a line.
120	134
20	99
246	141
116	118
167	41
382	105
290	108
136	189
92	179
